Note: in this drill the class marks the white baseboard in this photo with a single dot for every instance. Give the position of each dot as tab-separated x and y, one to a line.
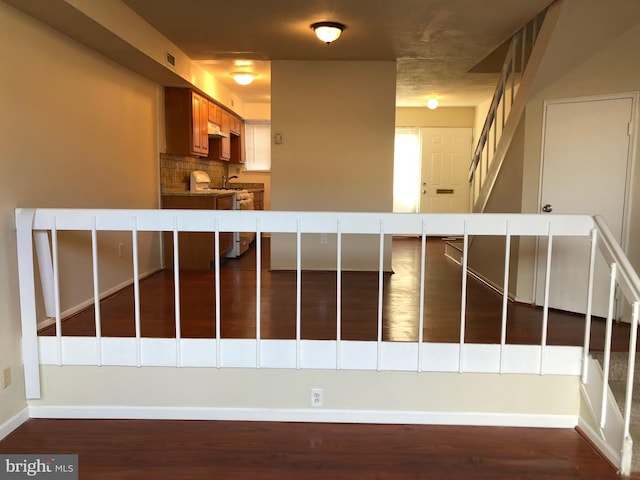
484	280
306	415
87	303
14	422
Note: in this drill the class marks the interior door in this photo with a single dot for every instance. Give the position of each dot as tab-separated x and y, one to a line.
446	155
585	163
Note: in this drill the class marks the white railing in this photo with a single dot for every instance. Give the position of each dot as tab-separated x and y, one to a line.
614	436
37	229
515	63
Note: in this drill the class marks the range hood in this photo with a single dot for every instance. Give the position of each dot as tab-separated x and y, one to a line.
214	131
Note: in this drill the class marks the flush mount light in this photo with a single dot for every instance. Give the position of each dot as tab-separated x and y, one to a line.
328	31
432	103
243	78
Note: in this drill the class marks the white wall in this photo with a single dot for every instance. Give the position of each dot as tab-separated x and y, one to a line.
337	123
76	130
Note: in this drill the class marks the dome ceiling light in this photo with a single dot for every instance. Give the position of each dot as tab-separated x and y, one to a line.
243	78
328	31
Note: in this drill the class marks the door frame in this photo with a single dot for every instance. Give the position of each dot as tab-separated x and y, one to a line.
631	161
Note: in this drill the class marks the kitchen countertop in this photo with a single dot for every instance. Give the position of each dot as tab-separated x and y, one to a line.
246	186
182	193
251	187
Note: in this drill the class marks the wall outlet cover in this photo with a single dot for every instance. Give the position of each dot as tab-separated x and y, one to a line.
6	377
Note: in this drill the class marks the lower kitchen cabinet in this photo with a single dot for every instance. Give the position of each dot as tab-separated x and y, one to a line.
258	199
197	249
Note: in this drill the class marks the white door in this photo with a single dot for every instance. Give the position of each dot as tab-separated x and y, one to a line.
585	163
444	183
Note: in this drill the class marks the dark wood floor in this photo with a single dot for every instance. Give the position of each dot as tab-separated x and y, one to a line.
144	449
359	309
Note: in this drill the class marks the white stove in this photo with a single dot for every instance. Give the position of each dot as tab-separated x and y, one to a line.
243	200
200	182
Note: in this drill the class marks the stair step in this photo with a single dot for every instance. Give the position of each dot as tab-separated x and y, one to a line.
619	391
634	430
453	249
618	366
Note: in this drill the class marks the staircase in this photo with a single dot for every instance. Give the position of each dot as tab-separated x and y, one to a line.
513	92
617	384
507	106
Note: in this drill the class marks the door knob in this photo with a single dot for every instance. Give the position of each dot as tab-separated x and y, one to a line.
547	208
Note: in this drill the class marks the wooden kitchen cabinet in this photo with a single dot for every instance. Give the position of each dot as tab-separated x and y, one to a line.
220	148
200	115
186	118
225	142
215	113
258	199
197	249
238	154
235	124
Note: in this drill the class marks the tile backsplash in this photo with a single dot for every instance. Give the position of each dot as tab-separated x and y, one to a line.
175	171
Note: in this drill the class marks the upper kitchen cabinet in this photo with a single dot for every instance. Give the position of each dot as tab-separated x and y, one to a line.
186	116
235	125
215	113
220	146
237	142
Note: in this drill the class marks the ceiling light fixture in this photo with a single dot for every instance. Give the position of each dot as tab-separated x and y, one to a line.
243	78
328	31
432	103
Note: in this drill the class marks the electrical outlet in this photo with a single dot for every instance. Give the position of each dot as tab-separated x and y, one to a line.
323	238
316	397
6	377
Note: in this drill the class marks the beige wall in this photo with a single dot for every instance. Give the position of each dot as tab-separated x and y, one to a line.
440	117
480	115
337	124
76	131
196	391
486	255
123	22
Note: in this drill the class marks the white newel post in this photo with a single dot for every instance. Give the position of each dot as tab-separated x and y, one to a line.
24	222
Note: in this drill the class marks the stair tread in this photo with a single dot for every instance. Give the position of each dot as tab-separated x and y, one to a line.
618	366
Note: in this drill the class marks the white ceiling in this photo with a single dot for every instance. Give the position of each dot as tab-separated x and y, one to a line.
434	42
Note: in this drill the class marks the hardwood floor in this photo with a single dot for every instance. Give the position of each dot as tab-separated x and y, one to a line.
359	309
167	449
